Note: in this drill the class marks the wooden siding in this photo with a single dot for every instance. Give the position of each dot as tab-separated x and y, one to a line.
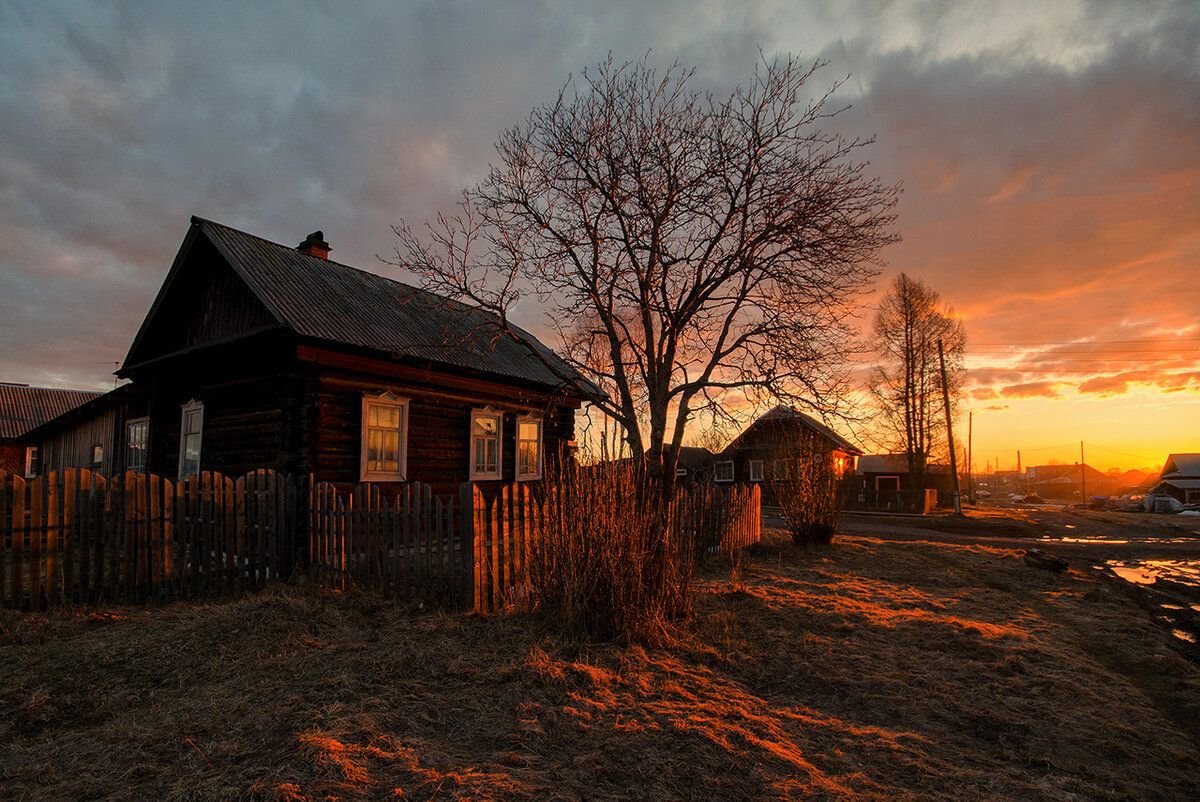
72	447
206	302
438	430
12	458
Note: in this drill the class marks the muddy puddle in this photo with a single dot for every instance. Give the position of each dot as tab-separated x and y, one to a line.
1174	585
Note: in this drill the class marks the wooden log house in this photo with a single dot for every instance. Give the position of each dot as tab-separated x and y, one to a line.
260	355
22	410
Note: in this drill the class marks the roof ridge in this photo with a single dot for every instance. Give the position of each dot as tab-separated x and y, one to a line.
23	386
203	220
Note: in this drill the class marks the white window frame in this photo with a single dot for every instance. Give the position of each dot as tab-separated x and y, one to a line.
33	462
143	421
681	472
756	470
191	406
498	416
717	471
385	399
97	458
541	438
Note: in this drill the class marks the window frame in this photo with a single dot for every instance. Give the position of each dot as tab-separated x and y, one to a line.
717	471
33	461
129	425
195	405
760	474
97	457
541	448
472	473
392	401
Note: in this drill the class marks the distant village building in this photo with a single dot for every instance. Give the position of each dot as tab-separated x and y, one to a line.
883	481
22	410
1068	481
261	355
1180	478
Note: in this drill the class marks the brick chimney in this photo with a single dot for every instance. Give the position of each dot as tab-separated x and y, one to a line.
315	245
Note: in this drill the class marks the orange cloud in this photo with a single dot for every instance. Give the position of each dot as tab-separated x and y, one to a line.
1031	390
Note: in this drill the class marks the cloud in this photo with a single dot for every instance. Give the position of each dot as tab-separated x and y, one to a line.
1030	390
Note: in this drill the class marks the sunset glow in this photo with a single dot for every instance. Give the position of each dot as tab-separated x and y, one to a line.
1049	152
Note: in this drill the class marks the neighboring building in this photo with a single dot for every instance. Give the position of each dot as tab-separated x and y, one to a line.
1067	481
259	355
883	481
106	434
23	409
1180	478
781	436
694	463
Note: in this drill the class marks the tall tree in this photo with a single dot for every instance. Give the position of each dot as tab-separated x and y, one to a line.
685	247
906	385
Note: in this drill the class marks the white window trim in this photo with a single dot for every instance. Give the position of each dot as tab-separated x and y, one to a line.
681	472
389	400
129	424
96	464
717	471
485	412
29	452
541	439
190	406
756	475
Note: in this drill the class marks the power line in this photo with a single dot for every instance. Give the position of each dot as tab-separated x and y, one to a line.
1170	341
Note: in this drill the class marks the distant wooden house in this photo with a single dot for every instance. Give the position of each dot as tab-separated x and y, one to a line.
1180	478
694	463
259	355
1068	481
883	481
22	410
776	440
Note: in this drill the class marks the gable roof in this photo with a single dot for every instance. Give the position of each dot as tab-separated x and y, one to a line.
1182	466
23	408
786	414
324	300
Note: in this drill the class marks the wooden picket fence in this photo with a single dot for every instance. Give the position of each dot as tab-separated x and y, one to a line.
77	536
408	546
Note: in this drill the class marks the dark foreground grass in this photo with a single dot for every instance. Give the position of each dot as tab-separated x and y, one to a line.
868	668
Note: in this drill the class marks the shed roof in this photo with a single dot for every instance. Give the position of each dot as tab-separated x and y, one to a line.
1182	484
785	414
1181	466
325	300
22	408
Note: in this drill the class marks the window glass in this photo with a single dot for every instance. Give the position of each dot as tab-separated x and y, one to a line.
190	432
724	471
756	470
384	438
529	449
485	444
135	445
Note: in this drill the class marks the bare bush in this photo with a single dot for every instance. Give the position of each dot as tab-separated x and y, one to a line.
603	565
804	480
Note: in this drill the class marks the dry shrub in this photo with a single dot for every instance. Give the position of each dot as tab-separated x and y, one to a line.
605	566
805	483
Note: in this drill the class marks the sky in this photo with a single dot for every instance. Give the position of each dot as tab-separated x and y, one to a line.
1049	153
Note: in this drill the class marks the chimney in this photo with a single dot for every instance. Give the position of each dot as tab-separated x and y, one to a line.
315	245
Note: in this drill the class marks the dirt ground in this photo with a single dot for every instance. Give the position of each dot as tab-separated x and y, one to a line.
875	668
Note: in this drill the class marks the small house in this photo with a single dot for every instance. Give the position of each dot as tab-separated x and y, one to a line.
256	355
883	481
773	442
1180	478
22	410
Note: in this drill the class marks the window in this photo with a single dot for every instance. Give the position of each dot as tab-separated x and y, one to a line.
384	455
33	462
486	426
681	472
756	470
136	436
529	448
191	431
724	471
97	457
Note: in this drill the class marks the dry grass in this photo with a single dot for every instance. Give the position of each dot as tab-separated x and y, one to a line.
872	669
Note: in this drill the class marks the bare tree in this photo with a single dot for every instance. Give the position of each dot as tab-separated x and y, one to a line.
906	385
803	478
685	247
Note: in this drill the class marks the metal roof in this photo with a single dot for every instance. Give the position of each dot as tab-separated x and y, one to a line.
22	408
1181	466
1182	484
325	300
786	414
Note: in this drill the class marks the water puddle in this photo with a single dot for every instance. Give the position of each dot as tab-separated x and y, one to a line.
1147	572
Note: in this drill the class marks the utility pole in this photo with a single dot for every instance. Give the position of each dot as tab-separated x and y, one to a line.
949	429
1082	476
970	464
